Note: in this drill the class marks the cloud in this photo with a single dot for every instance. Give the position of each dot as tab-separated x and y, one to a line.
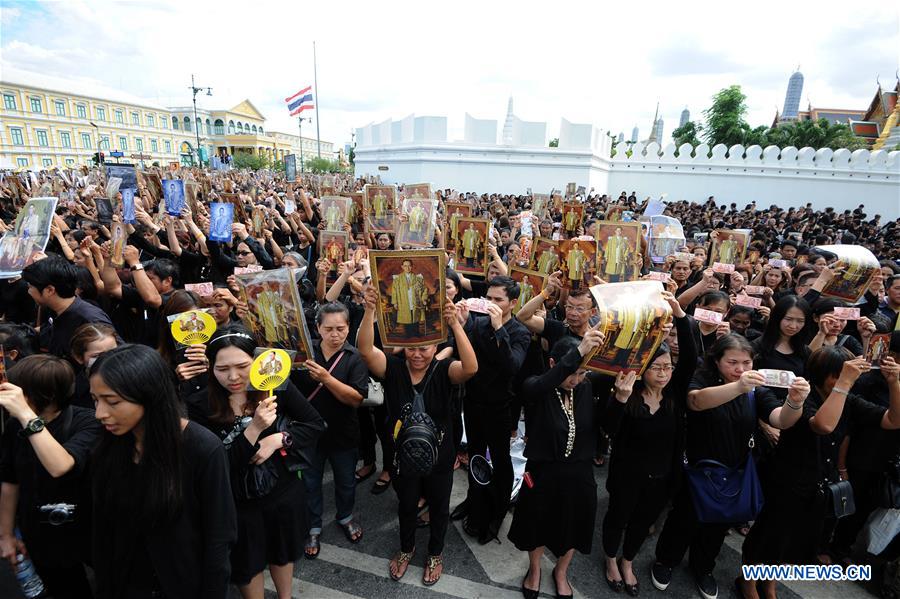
681	58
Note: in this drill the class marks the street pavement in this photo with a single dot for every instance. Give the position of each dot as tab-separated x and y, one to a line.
493	571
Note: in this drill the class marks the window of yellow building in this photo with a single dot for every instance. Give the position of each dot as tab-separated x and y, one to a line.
9	102
101	113
86	141
15	134
168	146
104	142
138	144
151	120
36	105
164	121
70	162
65	139
48	162
123	144
22	162
81	111
120	116
60	107
42	138
154	145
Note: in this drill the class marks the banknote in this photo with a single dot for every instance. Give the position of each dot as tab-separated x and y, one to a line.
201	289
707	316
722	267
847	313
748	301
754	289
478	304
777	378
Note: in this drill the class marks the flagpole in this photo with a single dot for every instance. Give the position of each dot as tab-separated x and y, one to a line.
300	124
316	86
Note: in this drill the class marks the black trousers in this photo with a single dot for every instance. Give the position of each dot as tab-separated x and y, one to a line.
682	530
64	582
634	504
373	425
436	489
487	427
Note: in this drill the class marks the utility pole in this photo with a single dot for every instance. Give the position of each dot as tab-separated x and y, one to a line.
194	90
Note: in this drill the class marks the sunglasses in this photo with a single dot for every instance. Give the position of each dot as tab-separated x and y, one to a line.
244	253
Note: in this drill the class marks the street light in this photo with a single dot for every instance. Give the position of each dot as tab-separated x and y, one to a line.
194	90
97	133
300	123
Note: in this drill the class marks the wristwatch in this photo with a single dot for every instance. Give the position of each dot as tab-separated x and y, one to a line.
138	266
34	426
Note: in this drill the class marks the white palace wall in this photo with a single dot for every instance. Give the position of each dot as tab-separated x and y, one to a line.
786	177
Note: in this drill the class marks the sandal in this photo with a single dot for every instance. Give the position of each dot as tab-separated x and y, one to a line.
312	543
400	558
361	477
380	486
353	531
434	562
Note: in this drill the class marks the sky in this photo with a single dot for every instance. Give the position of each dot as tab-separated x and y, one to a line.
589	62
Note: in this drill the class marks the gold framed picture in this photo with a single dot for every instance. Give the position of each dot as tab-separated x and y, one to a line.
578	262
381	201
530	283
471	246
729	247
618	251
334	246
418	228
335	212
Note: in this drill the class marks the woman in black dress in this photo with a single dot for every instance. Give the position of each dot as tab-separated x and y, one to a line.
721	419
271	526
420	371
789	528
647	425
163	517
557	504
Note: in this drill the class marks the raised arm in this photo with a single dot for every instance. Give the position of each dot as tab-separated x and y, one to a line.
713	397
365	340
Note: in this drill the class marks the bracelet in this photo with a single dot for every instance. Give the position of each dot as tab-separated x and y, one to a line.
544	294
841	391
792	405
842	469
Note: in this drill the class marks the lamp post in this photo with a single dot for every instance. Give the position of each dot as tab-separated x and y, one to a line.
97	133
194	90
300	123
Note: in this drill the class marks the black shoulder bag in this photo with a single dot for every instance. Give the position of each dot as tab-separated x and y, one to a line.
419	437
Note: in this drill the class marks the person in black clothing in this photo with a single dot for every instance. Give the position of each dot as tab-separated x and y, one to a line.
647	425
164	519
557	509
247	251
721	419
271	528
46	468
335	382
18	341
51	284
420	371
189	363
89	341
807	457
500	343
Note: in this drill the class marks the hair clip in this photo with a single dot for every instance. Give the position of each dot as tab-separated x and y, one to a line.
241	335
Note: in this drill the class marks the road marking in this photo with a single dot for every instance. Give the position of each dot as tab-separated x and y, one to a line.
308	589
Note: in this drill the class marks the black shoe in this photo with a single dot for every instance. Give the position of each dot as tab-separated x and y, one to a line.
661	576
529	593
707	586
460	511
556	586
470	530
632	590
615	586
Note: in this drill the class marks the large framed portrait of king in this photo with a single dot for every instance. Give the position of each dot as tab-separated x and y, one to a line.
417	230
632	317
335	212
578	262
411	296
530	283
381	201
729	247
544	255
471	246
454	211
417	190
335	247
618	251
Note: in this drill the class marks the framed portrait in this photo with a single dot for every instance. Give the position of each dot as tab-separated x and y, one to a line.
418	230
417	190
411	296
275	315
290	168
235	200
854	270
453	212
665	236
729	247
618	251
335	212
530	284
570	189
632	316
578	262
544	256
334	246
356	214
471	246
173	192
381	200
28	236
540	205
221	217
128	212
258	221
572	217
117	244
614	212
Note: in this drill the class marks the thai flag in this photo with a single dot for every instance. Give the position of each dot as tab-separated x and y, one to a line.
302	100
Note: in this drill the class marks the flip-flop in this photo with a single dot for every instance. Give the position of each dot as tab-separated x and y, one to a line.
380	486
350	529
312	543
401	557
430	566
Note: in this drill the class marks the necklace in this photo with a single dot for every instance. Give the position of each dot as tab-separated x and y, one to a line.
565	402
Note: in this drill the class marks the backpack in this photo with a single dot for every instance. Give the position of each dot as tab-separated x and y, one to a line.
418	440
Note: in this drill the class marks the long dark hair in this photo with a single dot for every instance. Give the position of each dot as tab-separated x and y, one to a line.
633	407
139	375
180	301
772	334
229	336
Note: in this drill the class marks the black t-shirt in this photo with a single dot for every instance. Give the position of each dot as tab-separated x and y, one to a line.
721	433
15	303
77	314
774	359
398	391
77	431
554	330
343	423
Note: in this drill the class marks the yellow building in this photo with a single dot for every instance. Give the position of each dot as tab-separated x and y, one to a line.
47	122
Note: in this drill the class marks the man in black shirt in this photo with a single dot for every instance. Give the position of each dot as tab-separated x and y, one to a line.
51	284
500	343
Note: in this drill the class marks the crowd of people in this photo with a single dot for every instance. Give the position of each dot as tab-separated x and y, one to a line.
133	468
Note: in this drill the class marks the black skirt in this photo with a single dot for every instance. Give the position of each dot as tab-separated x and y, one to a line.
271	530
789	527
559	511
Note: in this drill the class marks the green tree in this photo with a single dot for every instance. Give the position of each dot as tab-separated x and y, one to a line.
322	165
554	143
278	165
687	134
725	122
815	134
250	160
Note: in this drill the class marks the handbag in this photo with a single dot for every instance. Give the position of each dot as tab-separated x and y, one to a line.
375	396
839	499
723	494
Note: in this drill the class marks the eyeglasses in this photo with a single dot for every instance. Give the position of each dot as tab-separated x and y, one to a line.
244	253
576	309
662	369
